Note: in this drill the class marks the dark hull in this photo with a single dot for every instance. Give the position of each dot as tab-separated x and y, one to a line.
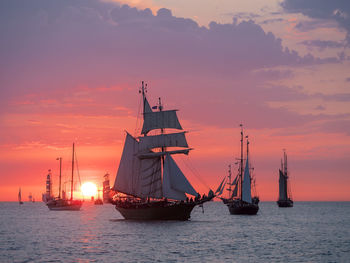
169	211
285	203
242	208
64	205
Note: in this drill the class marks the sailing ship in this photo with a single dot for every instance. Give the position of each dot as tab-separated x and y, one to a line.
98	201
20	196
60	204
243	204
149	183
285	196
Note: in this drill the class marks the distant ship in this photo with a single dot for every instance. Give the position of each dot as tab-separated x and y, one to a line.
59	203
20	197
106	189
243	204
149	183
285	196
98	201
47	196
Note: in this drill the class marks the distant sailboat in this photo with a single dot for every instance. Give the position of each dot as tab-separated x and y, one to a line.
244	203
20	197
149	183
59	203
285	197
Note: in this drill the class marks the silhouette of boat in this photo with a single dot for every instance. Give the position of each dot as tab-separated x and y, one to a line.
20	197
243	204
60	204
149	183
285	195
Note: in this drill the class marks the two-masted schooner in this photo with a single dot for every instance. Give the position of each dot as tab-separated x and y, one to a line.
61	203
149	183
285	196
241	200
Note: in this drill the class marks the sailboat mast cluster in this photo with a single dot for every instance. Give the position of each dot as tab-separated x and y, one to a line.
284	197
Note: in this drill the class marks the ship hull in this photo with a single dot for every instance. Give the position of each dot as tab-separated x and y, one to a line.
285	203
63	205
170	211
242	208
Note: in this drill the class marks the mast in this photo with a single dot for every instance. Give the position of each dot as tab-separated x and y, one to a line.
59	185
229	181
241	171
71	185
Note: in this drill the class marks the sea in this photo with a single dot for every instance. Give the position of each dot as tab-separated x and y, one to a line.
308	232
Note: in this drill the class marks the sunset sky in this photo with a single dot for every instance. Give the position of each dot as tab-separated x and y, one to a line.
70	71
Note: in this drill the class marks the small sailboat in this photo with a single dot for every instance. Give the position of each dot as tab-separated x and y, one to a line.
60	204
149	183
243	204
285	196
20	196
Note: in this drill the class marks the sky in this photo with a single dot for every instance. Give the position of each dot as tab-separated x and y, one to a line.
70	71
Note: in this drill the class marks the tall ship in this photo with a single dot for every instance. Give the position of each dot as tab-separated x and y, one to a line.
106	189
149	183
241	201
47	196
285	194
61	203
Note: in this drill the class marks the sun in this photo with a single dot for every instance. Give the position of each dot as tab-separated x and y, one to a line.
88	189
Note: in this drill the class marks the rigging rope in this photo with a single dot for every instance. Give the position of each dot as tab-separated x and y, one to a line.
190	166
137	119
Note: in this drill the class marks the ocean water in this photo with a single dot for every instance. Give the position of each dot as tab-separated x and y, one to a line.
308	232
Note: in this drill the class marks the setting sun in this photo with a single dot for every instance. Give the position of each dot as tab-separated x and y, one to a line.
89	189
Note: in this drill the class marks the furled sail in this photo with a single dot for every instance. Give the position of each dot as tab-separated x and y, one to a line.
282	187
175	184
155	154
160	120
234	181
126	181
246	187
163	140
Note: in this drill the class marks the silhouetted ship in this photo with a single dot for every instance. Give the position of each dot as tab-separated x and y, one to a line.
285	196
20	197
106	189
47	196
149	183
98	201
60	204
243	204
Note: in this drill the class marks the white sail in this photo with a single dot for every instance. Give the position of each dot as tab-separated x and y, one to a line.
246	187
150	178
126	181
163	140
160	120
175	184
282	186
155	154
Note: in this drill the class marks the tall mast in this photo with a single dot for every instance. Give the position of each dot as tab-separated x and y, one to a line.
143	90
59	185
71	185
241	171
229	181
